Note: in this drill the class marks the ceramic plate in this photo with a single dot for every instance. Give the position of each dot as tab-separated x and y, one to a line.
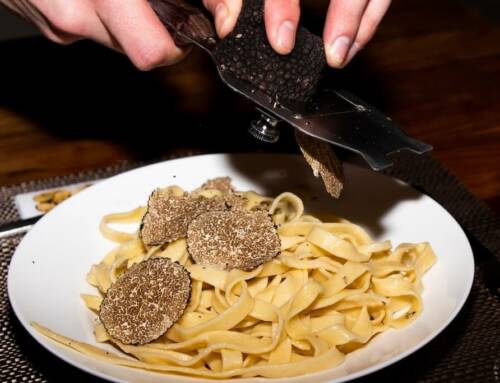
47	273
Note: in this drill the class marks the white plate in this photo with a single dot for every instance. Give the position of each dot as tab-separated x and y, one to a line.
47	272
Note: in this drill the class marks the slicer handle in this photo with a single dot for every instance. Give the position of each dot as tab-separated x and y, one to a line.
186	24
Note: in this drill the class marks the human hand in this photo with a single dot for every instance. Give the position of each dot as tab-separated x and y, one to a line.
129	26
349	24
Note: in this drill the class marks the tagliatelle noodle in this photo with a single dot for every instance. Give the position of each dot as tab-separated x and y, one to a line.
329	292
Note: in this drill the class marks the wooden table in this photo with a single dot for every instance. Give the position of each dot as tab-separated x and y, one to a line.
434	66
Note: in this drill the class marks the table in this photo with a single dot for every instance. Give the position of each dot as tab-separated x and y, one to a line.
434	67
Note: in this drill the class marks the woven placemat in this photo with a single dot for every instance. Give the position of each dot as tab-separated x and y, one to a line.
467	351
8	210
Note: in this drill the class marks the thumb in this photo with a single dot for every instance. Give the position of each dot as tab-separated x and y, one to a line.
225	13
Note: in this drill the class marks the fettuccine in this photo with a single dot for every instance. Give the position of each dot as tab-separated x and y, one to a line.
329	291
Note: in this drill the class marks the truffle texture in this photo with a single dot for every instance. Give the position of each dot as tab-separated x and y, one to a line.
323	161
246	54
168	216
220	183
146	301
223	186
233	239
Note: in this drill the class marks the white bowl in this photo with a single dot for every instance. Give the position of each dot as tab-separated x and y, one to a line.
48	269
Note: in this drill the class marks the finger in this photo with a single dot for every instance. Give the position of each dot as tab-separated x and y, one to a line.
341	27
370	21
139	32
281	18
225	13
68	22
14	7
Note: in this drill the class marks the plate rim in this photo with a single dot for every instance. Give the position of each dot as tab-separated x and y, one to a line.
52	347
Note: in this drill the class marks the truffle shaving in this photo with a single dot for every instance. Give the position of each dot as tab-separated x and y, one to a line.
221	187
146	301
220	183
233	239
323	161
168	215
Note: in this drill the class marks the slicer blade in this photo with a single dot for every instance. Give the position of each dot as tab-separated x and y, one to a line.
334	116
340	118
348	122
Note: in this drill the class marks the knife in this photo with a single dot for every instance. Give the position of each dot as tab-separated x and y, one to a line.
18	227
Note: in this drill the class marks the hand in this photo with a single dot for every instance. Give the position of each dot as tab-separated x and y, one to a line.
349	24
129	26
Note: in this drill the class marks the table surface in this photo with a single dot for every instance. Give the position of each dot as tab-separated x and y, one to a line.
434	67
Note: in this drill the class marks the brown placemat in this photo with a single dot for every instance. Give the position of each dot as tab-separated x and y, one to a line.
467	351
8	211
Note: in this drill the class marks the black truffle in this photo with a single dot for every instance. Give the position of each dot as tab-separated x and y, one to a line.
168	216
146	301
233	239
246	54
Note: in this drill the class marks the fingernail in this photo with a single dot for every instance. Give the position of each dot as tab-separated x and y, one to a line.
338	50
221	13
355	48
286	36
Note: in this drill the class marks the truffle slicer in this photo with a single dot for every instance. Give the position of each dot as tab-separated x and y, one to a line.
334	116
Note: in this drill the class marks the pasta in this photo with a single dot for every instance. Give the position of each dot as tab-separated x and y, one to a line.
329	292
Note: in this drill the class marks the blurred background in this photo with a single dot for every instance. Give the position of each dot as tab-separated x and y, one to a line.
434	67
14	28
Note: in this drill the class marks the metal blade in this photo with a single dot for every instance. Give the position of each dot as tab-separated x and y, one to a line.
17	227
340	118
334	116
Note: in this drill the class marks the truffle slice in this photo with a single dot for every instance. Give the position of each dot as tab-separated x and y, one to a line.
220	183
233	239
168	216
247	55
146	301
323	161
227	192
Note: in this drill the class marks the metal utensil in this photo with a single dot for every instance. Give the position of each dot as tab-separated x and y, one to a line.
334	116
18	227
